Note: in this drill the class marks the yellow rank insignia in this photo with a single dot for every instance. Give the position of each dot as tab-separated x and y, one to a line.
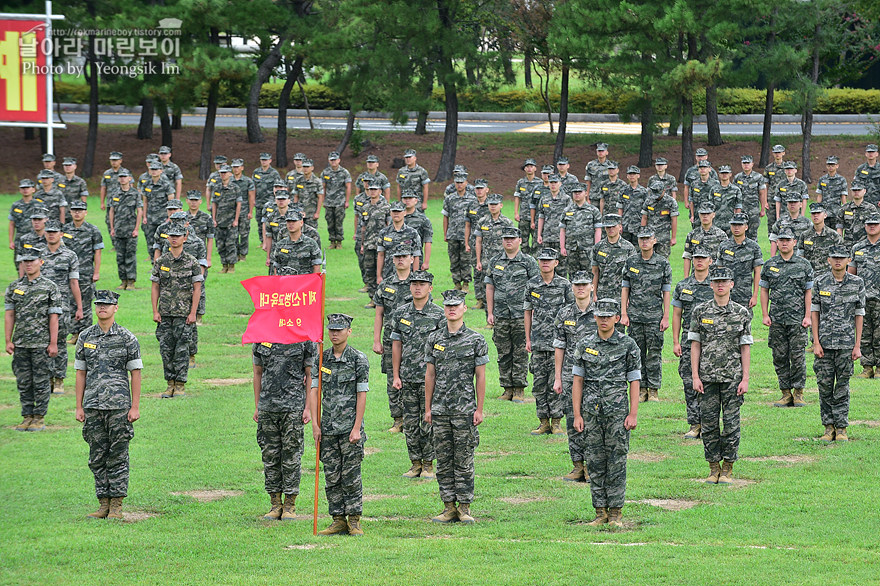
730	252
284	250
28	245
825	293
808	242
256	176
166	269
625	196
299	186
600	253
390	290
569	213
106	177
568	322
66	235
89	345
18	210
857	253
499	268
695	241
486	228
115	199
774	269
536	295
325	370
273	223
634	270
664	212
387	239
591	351
847	213
163	235
405	322
708	321
650	208
266	344
62	185
687	291
18	291
439	347
148	190
326	177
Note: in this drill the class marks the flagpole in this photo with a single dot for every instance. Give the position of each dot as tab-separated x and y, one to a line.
318	409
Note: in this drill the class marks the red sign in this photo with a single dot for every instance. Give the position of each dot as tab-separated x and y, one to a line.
23	70
287	309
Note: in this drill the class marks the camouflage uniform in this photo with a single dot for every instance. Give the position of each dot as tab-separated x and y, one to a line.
84	241
301	256
711	240
392	293
688	294
360	201
750	186
647	281
224	200
61	267
610	259
552	210
692	175
391	240
33	302
455	357
544	301
509	277
264	182
852	221
280	411
202	225
787	282
570	327
580	223
107	358
110	181
537	193
413	179
475	213
814	247
785	188
422	225
743	259
334	201
343	378
489	233
74	188
775	175
365	178
606	367
374	218
870	176
172	172
157	195
702	191
20	216
125	206
274	222
726	200
610	193
660	211
307	192
176	278
411	327
831	189
455	208
838	303
800	225
866	260
524	192
244	185
721	331
29	241
596	173
197	249
670	185
568	182
632	201
53	200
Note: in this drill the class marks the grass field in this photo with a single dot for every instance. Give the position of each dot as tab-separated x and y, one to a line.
801	511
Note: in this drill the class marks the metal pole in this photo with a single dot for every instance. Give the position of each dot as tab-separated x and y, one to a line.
50	138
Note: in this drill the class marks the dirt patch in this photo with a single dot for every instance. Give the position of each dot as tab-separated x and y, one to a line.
735	483
2	407
646	456
628	525
227	382
137	516
307	546
865	422
206	496
522	500
369	451
794	459
669	504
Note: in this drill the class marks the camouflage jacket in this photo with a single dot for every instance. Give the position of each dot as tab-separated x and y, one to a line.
157	195
413	179
750	185
838	303
468	190
538	192
596	172
831	190
509	277
455	358
245	185
660	212
20	215
30	240
852	221
545	300
689	293
160	235
711	239
192	245
552	209
422	225
569	180
523	191
282	385
176	278
391	240
172	172
630	208
610	259
213	180
646	280
53	200
720	331
268	210
292	178
693	174
307	192
411	327
866	260
787	281
814	247
726	200
125	206
74	188
669	182
489	233
606	367
785	188
83	241
107	359
334	186
341	380
870	176
276	225
366	177
301	255
224	200
455	208
202	224
774	175
32	302
570	327
264	182
374	218
610	192
580	223
110	180
60	267
700	191
391	294
59	177
475	213
742	259
799	225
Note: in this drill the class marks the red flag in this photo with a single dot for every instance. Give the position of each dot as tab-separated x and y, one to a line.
287	309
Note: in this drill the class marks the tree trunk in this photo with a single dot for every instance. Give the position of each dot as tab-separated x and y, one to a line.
164	123
293	72
674	119
29	133
807	118
646	140
450	134
469	72
768	123
145	125
563	114
687	137
254	132
205	160
712	125
544	89
527	67
506	62
305	103
349	129
92	133
176	120
426	85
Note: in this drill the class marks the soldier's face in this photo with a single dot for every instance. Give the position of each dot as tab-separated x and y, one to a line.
547	265
236	170
49	165
420	289
402	261
554	186
47	182
397	216
410	203
176	241
747	167
224	176
193	204
562	168
858	195
707	219
38	224
481	191
154	173
454	312
294	226
601	153
164	157
871	156
579	196
724	177
494	208
510	244
334	163
582	290
373	192
115	163
124	180
779	156
32	267
786	245
872	229
661	168
633	178
702	158
818	218
78	215
530	169
832	168
613	173
105	310
339	336
410	160
704	172
647	244
722	288
794	208
701	263
606	323
372	167
264	163
838	265
738	229
790	173
612	231
26	190
53	237
69	167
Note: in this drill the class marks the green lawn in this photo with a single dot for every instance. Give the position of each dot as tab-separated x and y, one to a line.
807	512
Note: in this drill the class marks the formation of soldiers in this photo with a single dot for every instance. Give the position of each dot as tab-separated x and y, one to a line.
577	289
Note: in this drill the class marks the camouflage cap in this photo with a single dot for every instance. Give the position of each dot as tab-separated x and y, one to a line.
529	162
53	226
397	206
453	297
548	169
633	170
237	163
793	198
29	254
481	182
510	232
873	218
193	194
124	173
494	199
858	185
293	216
225	169
871	148
69	161
459	169
562	161
38	213
578	188
725	169
701	250
601	146
739	218
300	157
374	184
372	159
785	233
721	274
265	156
582	278
280	183
789	165
832	160
460	177
609	220
164	150
554	178
704	163
707	207
26	183
406	192
48	157
220	159
612	165
606	307
173	204
282	194
778	148
409	153
179	216
403	250
421	277
45	174
106	297
152	157
657	186
838	251
115	155
817	207
78	204
645	232
339	321
701	152
746	159
296	206
155	166
548	254
176	229
333	156
661	161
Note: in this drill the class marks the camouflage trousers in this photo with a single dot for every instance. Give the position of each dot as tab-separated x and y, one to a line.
342	473
543	368
455	440
280	437
870	345
579	259
335	217
369	271
479	283
527	234
310	220
459	261
108	432
87	291
175	340
650	341
576	439
419	436
242	241
107	223
720	402
787	342
509	336
227	244
664	249
150	234
126	258
395	396
32	374
360	257
691	397
833	372
606	444
752	230
58	364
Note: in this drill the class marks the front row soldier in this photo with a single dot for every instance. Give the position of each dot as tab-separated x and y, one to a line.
411	324
721	337
866	264
282	375
108	394
33	307
743	256
604	363
345	380
455	387
838	310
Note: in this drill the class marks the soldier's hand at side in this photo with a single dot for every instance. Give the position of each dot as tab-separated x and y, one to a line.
12	246
397	383
624	319
478	417
78	315
95	278
316	215
307	415
355	436
191	318
157	318
467	247
819	351
532	225
235	224
316	433
377	347
516	217
528	345
698	385
742	388
428	418
10	347
753	301
52	350
630	422
103	206
134	414
672	242
256	415
540	240
664	324
856	353
676	349
479	266
808	321
578	423
767	321
490	319
424	266
557	386
134	233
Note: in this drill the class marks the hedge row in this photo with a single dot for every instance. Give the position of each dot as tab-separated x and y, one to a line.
730	100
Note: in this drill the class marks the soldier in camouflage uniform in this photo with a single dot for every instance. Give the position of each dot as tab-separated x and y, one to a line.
226	204
534	205
373	174
392	293
294	175
33	306
774	174
411	324
126	212
273	223
851	222
721	336
689	292
866	264
551	209
753	186
310	193
337	198
375	216
568	180
869	174
50	197
596	171
814	244
608	258
572	324
171	170
61	266
792	217
506	278
71	185
701	188
787	286
660	213
838	311
282	374
707	234
604	362
264	178
660	166
487	244
522	197
360	201
155	192
646	289
160	237
692	175
201	222
415	218
20	212
248	190
744	257
177	282
479	207
394	236
106	402
455	207
296	252
214	178
414	177
455	387
49	165
580	228
609	190
787	187
35	239
726	197
832	190
110	185
86	241
546	295
345	380
629	208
